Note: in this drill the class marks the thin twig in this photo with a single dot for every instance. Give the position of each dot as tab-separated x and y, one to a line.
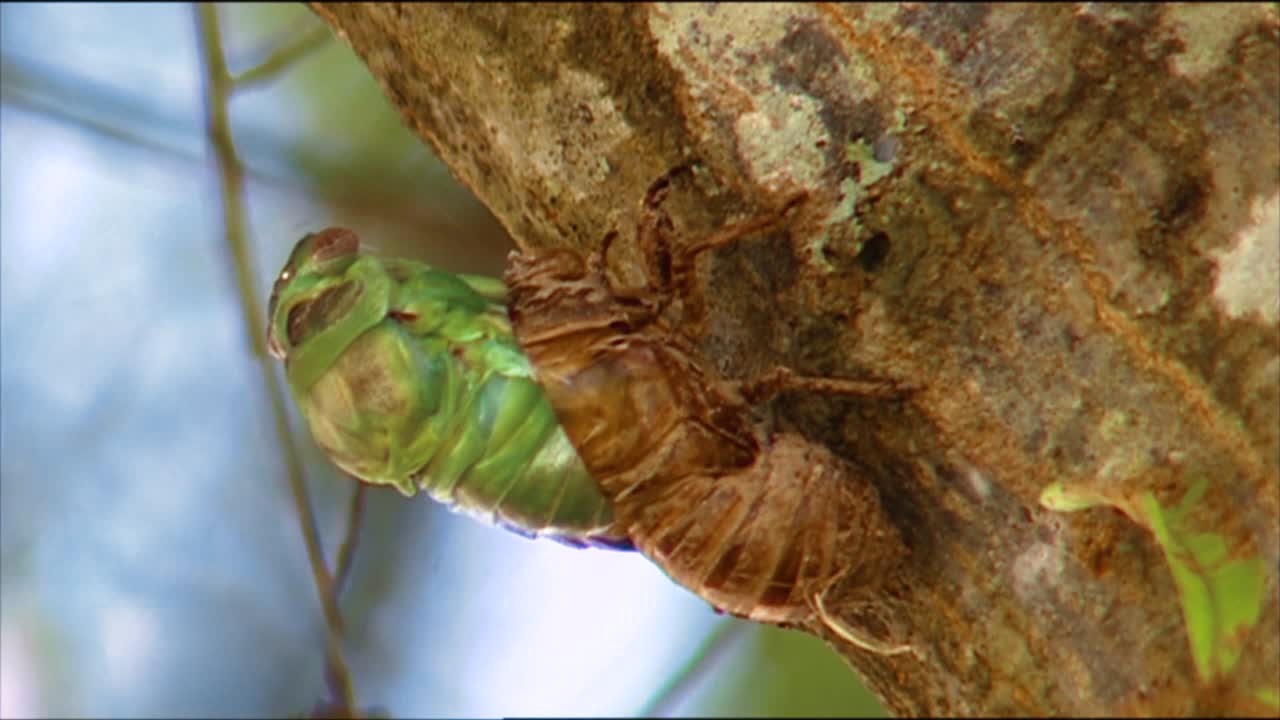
347	551
282	58
217	91
680	683
83	103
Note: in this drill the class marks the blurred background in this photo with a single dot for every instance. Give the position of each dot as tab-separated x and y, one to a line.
152	561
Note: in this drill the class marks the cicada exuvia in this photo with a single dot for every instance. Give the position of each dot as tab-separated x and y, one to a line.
752	520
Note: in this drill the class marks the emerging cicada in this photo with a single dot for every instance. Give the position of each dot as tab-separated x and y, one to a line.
409	376
751	520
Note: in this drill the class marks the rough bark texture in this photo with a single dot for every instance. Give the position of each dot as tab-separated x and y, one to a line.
1058	223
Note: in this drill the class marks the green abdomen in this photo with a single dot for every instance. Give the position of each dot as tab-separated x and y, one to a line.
464	421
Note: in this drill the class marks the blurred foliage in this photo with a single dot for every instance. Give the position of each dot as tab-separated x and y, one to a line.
208	555
351	148
784	673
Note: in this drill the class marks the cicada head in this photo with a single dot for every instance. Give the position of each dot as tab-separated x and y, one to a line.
309	293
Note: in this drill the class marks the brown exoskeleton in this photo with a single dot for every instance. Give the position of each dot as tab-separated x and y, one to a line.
751	520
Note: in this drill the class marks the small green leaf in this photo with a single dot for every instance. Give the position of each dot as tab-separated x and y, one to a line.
1059	498
1221	596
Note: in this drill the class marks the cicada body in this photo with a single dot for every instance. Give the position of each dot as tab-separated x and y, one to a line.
752	521
409	376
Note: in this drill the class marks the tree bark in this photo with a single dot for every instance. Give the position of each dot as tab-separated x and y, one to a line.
1058	224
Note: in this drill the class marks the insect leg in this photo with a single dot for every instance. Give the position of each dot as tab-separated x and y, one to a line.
655	249
781	378
652	238
684	262
669	270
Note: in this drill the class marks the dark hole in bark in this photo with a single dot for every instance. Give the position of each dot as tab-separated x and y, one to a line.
874	251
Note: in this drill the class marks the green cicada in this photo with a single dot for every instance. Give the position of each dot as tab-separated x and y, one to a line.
602	425
409	376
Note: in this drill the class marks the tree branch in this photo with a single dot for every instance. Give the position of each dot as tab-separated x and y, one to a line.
1058	223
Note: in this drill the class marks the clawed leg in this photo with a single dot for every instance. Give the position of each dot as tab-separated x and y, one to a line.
652	232
669	269
779	379
683	264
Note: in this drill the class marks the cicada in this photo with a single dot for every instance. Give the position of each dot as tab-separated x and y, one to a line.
601	425
750	519
410	376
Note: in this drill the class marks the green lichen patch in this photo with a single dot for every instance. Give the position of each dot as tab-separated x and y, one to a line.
871	169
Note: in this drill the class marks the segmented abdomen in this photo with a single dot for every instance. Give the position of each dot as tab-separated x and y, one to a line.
506	458
437	396
750	521
762	542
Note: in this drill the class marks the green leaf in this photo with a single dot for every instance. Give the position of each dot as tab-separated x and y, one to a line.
1221	595
1060	498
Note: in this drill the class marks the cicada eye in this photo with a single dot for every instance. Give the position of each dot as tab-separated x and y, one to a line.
334	242
314	314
